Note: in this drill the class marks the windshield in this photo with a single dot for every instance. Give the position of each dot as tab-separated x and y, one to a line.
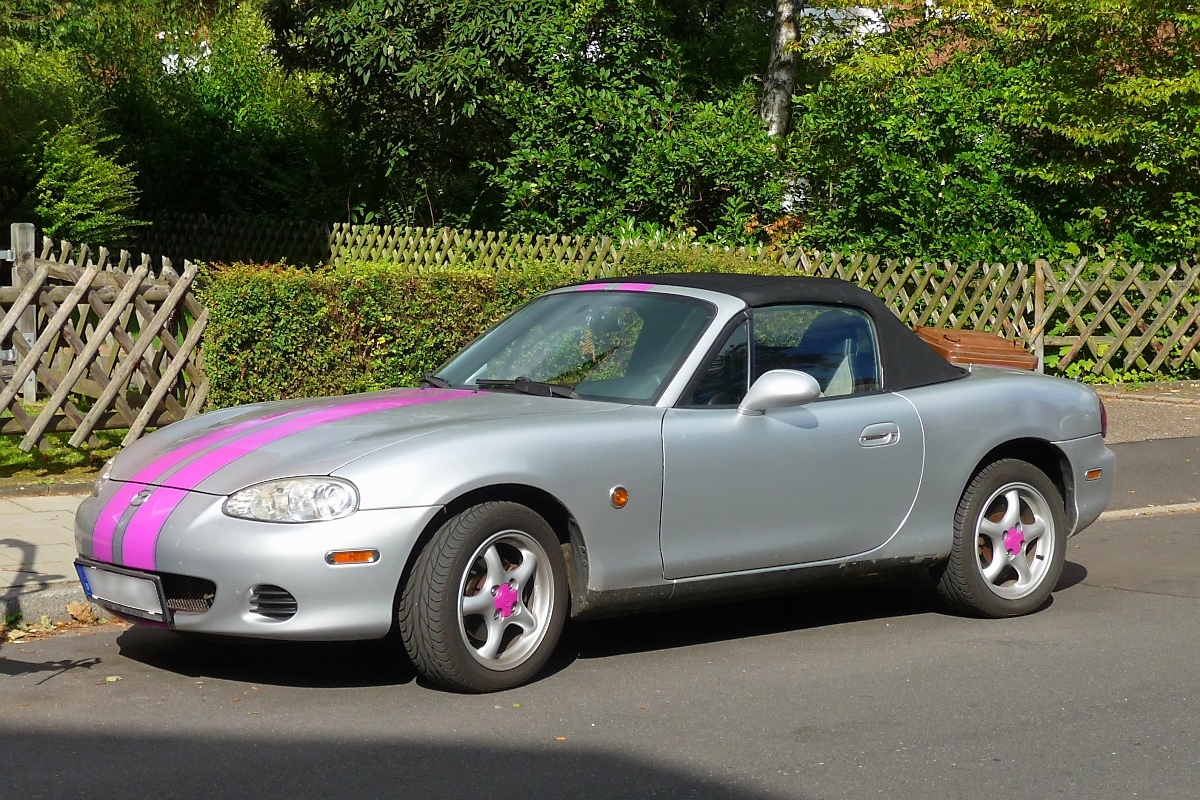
606	345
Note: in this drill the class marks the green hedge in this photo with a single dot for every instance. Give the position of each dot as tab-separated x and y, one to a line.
276	332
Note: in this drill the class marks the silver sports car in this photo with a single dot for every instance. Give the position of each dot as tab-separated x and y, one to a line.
609	447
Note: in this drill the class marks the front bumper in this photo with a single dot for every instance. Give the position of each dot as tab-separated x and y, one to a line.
352	601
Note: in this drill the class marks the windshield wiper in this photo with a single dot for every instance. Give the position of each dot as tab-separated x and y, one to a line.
435	381
526	386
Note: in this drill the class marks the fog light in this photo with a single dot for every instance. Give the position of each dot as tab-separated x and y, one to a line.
352	557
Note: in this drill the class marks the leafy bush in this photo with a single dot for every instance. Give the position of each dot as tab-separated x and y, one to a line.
278	332
84	195
39	93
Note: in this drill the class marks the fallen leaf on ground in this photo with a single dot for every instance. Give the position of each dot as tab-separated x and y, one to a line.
82	612
560	738
112	679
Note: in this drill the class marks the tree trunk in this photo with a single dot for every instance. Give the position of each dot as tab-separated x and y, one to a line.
779	82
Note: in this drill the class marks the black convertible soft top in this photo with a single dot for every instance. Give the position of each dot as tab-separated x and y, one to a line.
907	361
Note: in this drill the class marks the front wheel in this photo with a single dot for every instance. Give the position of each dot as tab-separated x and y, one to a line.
1010	536
486	600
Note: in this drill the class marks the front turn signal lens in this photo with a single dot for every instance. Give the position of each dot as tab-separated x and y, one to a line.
352	557
1093	474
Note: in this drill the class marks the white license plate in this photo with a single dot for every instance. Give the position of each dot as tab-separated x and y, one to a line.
139	594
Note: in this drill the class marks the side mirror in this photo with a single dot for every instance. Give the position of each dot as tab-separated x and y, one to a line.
779	388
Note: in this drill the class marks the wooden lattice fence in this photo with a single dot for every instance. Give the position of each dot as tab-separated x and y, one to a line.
1103	318
995	297
1114	316
228	239
98	344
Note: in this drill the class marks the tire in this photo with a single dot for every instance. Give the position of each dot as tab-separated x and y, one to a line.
1006	558
486	600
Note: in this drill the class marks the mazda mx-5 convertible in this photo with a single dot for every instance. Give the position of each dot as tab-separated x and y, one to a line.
610	447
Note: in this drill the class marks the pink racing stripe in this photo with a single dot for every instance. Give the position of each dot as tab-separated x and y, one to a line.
110	515
615	287
141	535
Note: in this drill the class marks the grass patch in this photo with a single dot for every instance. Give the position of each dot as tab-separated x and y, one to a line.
59	463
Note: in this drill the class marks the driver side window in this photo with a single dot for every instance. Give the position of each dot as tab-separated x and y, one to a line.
835	345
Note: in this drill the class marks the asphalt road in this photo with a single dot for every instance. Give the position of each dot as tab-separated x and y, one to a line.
869	693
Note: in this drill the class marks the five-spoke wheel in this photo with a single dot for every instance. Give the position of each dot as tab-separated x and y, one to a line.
505	599
486	600
1009	542
1015	538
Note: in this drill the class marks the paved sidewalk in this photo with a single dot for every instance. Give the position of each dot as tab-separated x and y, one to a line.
1168	410
37	548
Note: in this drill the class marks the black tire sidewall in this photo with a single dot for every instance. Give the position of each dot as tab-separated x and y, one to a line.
454	546
971	507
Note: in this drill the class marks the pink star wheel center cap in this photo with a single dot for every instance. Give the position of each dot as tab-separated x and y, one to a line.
1014	540
506	600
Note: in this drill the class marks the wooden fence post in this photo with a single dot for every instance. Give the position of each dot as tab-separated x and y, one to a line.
1039	310
23	254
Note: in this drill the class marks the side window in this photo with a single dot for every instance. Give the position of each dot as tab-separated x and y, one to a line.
723	381
834	345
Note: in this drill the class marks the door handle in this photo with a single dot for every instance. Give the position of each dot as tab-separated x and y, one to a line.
881	434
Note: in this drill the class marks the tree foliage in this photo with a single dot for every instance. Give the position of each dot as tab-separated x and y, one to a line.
958	129
984	129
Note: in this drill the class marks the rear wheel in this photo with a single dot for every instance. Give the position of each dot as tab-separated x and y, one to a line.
486	600
1009	542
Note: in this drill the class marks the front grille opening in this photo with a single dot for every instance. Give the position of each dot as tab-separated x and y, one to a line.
272	602
186	593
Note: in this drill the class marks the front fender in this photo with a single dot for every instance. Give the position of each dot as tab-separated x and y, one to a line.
577	459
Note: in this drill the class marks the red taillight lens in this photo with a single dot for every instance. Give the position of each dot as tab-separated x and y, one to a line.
1103	419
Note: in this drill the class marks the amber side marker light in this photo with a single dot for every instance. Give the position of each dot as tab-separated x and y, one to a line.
1093	474
618	496
352	557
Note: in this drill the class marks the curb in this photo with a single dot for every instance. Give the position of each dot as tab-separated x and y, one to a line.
46	490
1149	511
34	603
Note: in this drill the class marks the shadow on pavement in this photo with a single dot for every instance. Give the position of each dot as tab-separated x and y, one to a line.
383	663
24	577
55	668
311	664
1072	575
267	766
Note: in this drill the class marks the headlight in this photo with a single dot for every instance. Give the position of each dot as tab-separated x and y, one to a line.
105	474
294	500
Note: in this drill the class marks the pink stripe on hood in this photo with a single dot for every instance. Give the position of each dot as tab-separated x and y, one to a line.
110	515
141	535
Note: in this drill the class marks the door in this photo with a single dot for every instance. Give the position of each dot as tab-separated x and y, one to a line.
831	479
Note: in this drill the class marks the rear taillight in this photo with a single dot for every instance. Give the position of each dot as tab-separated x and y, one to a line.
1103	419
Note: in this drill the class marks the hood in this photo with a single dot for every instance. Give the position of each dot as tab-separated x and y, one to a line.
222	452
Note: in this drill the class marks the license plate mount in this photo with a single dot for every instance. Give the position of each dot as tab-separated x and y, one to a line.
124	591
